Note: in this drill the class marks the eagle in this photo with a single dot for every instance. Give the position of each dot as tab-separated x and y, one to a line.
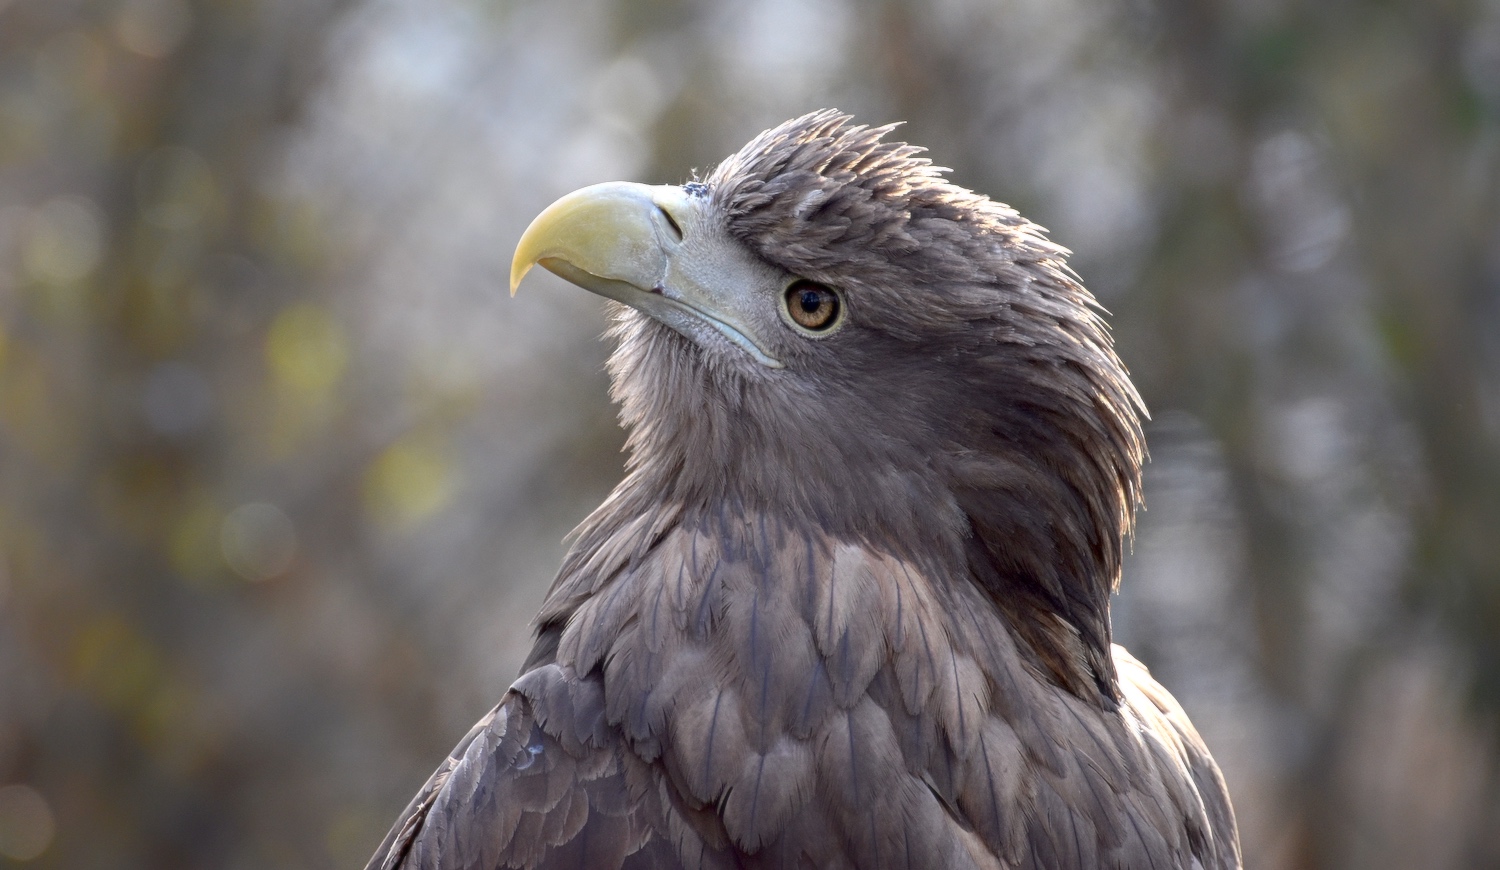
849	606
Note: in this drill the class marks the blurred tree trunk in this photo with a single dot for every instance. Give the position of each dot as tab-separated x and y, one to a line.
166	118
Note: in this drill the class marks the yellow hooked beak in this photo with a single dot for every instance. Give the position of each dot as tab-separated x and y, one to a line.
652	248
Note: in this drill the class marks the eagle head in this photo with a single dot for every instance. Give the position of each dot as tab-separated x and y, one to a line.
826	329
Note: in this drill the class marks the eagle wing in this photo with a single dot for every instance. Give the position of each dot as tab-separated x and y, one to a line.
830	706
523	790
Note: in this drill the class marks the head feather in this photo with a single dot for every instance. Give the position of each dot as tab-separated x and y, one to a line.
974	406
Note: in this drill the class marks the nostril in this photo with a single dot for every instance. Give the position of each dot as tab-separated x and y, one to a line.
671	222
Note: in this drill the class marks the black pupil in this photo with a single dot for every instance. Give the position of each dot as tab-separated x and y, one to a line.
811	300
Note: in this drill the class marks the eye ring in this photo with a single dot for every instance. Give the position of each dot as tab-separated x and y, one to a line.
812	307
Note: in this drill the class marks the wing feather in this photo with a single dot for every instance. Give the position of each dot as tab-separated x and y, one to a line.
824	705
527	790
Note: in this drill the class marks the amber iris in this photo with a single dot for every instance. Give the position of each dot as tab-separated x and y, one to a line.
812	306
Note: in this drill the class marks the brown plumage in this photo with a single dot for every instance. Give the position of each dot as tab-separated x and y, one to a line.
850	605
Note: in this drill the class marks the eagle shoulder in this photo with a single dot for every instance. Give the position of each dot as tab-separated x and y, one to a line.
536	783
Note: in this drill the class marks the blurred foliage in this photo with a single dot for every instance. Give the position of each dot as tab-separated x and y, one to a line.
283	475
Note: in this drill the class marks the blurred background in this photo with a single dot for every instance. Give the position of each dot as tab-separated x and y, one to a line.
284	474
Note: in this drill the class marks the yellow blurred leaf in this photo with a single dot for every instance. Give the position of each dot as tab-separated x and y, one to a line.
32	410
307	350
409	481
115	663
195	544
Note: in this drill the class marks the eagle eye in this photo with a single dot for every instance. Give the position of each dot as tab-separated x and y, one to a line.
812	306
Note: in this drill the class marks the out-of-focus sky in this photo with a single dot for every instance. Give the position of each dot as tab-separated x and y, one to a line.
284	473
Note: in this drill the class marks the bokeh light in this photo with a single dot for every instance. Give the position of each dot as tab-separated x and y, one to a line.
258	541
26	824
63	241
153	28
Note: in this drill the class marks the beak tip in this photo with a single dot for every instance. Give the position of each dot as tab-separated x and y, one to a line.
518	271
